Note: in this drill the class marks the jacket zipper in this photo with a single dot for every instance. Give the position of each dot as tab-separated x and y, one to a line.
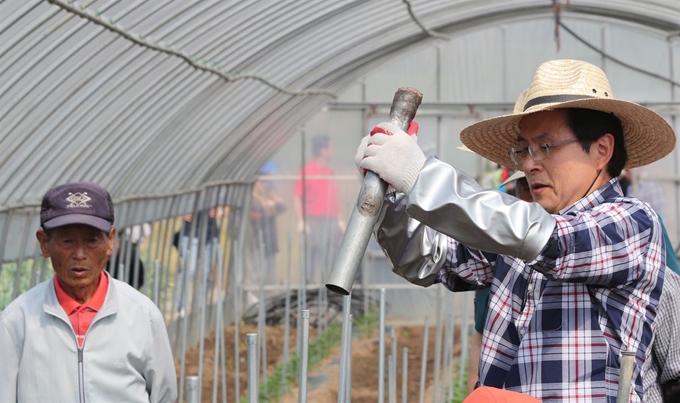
81	376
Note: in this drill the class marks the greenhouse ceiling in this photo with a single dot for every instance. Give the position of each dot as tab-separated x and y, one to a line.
154	98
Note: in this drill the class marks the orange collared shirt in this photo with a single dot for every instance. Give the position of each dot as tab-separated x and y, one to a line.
82	315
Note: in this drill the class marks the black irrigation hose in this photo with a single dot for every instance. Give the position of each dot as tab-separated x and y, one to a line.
275	307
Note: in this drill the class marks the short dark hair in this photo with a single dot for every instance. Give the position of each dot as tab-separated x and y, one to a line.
320	142
589	126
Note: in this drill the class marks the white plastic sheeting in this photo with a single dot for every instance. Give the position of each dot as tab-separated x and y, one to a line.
162	99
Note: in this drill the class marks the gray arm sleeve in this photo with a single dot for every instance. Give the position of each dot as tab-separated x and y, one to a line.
415	251
452	203
415	231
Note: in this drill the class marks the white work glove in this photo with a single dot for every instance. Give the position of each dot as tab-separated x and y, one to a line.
394	156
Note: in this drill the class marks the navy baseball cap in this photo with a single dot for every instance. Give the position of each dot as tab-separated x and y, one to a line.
77	203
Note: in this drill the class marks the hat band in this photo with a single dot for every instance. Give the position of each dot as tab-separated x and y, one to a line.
551	99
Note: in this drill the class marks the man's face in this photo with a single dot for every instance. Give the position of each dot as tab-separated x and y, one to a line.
568	173
78	253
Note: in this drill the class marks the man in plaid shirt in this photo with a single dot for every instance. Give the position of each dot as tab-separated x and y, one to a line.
576	277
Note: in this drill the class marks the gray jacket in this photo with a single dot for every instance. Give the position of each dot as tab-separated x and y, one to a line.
126	355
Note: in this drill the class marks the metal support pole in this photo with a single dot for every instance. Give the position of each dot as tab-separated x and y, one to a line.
342	387
193	386
219	332
448	347
423	366
391	380
404	376
304	357
156	281
253	389
437	346
286	320
381	358
464	336
393	349
237	322
202	270
349	361
262	315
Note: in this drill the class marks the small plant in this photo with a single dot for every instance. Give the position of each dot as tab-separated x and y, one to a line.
277	386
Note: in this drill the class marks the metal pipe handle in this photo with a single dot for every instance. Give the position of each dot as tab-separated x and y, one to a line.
365	214
625	376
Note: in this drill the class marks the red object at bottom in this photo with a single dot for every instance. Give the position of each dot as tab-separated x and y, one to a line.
488	394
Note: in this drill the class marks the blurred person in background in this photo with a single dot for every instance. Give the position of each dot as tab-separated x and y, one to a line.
83	335
266	205
129	267
188	244
317	209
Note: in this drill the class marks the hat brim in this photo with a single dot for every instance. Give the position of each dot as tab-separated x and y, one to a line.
84	219
647	135
517	175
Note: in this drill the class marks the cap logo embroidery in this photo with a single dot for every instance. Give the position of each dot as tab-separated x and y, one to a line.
78	200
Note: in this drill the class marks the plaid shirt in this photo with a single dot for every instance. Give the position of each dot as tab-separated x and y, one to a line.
665	363
556	325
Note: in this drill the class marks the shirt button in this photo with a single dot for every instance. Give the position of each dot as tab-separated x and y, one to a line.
84	327
530	287
522	331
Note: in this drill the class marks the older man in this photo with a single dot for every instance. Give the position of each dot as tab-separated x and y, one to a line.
83	336
576	277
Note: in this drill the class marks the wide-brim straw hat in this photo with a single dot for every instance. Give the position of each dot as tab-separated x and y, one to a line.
560	84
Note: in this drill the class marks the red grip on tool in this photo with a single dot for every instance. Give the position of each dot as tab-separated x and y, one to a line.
413	128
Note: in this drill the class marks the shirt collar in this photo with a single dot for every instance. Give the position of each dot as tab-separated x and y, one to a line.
607	192
95	303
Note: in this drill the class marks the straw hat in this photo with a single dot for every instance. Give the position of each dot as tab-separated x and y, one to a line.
517	175
560	84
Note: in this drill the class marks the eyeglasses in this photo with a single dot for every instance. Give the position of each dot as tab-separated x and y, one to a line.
517	155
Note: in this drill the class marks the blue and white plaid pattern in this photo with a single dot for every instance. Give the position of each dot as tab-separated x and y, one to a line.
556	326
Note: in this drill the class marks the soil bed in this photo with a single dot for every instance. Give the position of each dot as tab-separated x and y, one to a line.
364	364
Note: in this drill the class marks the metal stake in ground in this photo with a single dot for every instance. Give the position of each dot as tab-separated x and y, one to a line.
404	376
381	357
464	335
262	316
192	389
237	320
437	345
253	388
220	362
423	366
349	362
393	349
342	389
304	357
448	347
286	320
391	380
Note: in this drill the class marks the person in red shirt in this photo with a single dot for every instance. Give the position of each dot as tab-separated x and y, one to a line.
317	209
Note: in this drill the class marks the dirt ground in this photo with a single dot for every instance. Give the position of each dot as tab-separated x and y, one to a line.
364	364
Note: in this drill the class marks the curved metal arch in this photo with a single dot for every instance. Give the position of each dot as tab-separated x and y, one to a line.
218	19
70	116
145	164
166	144
328	69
